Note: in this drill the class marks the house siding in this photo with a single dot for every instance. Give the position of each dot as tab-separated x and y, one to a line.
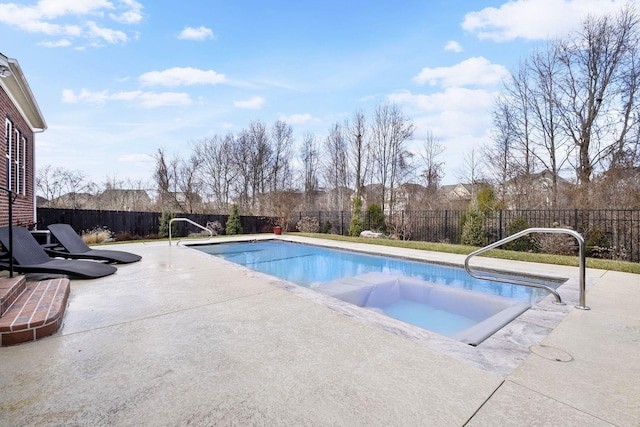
24	204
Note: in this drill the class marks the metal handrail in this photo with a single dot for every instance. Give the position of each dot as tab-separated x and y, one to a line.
190	222
582	265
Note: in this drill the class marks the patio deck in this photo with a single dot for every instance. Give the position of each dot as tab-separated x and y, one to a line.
182	338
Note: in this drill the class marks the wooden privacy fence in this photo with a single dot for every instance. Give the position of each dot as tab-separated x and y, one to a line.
621	227
140	224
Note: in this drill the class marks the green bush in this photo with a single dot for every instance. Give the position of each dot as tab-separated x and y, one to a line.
376	219
165	220
524	243
326	228
233	222
355	227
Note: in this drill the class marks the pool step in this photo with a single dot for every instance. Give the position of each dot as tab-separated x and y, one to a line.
36	313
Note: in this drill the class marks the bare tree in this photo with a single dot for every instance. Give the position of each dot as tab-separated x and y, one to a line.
433	171
282	142
56	182
500	155
189	185
258	155
356	134
177	183
336	167
553	142
471	170
390	132
310	163
595	61
218	169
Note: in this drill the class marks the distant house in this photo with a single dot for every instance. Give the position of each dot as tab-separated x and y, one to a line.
22	120
456	196
407	196
536	191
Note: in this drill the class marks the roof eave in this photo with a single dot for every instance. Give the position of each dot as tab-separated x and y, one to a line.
18	89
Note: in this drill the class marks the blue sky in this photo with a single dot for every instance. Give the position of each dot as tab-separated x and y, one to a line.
118	79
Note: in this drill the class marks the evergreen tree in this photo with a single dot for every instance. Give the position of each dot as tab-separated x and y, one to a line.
233	223
355	227
165	220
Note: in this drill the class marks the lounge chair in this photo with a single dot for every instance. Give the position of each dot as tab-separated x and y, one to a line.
73	247
30	257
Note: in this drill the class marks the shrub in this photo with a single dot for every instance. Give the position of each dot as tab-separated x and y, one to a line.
557	244
233	222
327	227
215	227
125	236
96	235
355	227
524	243
376	218
308	225
598	245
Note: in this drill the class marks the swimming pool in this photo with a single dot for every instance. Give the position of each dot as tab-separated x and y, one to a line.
343	274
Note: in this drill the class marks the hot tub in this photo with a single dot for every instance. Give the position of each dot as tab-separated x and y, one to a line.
461	314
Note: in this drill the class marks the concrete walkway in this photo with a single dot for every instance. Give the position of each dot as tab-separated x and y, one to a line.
183	338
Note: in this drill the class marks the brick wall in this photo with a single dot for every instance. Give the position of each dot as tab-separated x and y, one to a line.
23	206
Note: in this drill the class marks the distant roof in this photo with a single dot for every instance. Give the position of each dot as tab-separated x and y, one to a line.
18	89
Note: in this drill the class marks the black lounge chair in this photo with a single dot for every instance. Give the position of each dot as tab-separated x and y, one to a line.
74	247
30	257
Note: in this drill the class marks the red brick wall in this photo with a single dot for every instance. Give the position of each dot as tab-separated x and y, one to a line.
23	206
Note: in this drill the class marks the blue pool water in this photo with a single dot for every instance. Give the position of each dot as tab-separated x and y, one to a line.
308	265
428	317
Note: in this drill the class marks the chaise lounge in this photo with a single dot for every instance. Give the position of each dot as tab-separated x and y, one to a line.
73	247
30	257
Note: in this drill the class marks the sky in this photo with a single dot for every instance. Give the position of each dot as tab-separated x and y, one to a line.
116	80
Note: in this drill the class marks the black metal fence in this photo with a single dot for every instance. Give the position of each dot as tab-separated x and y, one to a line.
621	227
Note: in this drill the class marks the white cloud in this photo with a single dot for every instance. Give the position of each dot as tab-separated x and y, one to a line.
453	98
476	71
198	34
106	34
458	117
177	76
44	18
59	43
136	98
453	46
131	16
534	19
297	119
254	103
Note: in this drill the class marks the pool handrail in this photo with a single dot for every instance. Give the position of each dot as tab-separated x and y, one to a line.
582	265
190	222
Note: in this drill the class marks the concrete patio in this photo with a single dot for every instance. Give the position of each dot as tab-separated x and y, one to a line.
183	338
